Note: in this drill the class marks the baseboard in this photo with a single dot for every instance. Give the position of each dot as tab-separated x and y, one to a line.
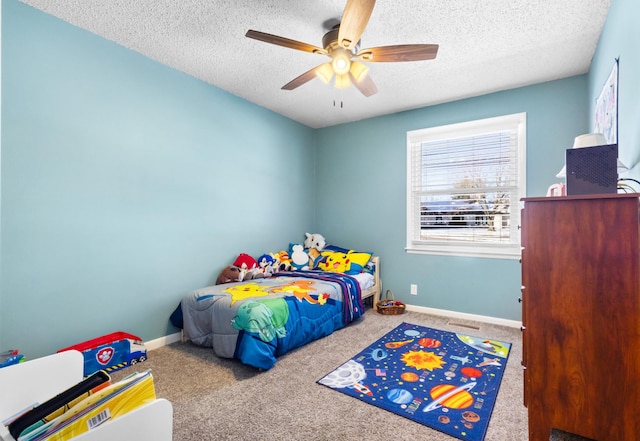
465	316
162	341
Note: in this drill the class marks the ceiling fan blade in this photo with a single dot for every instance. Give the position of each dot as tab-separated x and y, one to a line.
286	42
302	79
366	85
402	52
354	19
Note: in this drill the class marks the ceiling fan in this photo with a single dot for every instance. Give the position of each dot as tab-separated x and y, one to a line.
342	45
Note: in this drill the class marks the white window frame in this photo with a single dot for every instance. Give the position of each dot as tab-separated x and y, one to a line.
512	250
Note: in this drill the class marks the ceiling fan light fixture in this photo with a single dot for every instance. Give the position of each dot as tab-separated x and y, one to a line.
341	61
358	70
325	72
342	81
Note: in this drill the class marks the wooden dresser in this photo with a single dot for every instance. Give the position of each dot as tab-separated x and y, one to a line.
581	316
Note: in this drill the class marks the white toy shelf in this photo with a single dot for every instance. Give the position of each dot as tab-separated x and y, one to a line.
37	380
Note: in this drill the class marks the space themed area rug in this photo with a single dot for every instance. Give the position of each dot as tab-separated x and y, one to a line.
444	380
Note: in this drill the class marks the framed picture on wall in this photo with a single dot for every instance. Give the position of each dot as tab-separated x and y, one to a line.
606	111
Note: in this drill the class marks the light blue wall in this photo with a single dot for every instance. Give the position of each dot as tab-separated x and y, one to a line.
621	39
126	183
361	172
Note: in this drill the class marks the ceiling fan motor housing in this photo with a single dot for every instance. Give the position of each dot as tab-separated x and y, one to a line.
330	41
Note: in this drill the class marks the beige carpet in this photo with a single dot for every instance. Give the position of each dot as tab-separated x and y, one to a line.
220	399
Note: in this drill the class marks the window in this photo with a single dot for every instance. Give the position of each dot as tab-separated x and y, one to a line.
464	184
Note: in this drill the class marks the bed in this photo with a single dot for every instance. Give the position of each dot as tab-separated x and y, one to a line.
258	320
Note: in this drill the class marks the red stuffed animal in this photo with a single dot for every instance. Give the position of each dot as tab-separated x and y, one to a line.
246	262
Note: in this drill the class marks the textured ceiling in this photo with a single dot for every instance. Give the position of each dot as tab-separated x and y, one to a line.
485	46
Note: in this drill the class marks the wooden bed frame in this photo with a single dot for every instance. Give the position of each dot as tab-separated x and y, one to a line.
376	289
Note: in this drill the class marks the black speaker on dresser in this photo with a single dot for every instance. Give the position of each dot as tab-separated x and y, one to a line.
592	170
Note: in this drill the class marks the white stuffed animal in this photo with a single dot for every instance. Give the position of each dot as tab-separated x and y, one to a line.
314	241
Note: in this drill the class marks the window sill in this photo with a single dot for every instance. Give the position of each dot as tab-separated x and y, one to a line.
504	252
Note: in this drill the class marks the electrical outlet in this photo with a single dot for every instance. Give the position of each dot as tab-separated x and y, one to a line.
414	290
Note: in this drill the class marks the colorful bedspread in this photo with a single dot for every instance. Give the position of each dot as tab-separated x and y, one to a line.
258	320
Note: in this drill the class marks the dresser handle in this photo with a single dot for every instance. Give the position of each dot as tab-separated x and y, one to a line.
522	328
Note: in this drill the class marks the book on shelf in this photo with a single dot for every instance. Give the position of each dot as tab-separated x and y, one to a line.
37	415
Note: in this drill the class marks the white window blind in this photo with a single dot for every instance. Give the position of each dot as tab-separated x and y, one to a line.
464	183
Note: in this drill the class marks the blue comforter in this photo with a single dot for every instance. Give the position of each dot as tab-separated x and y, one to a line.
258	320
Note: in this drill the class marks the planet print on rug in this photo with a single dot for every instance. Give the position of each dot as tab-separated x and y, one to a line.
441	379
